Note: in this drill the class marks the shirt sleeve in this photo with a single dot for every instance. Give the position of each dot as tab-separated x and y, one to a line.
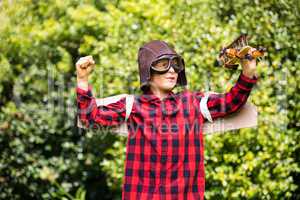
220	105
94	116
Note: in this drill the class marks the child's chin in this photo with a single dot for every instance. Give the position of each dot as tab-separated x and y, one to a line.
169	86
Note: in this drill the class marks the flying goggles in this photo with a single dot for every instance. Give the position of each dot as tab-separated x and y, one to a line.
163	64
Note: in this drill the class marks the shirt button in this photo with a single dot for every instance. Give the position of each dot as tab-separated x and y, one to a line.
161	189
164	142
153	158
163	159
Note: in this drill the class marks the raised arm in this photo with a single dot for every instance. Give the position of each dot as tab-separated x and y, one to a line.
88	112
220	105
93	116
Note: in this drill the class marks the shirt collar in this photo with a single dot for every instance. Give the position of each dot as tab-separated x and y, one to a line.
150	96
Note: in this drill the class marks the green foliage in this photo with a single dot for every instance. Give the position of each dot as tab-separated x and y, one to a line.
44	155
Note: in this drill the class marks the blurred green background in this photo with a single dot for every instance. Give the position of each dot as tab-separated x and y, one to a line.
44	155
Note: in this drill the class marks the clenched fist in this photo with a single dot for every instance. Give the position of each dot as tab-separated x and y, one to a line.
249	66
84	66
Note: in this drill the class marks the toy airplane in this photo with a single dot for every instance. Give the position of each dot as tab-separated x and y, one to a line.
239	49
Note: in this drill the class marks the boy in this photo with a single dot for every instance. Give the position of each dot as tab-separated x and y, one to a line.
165	147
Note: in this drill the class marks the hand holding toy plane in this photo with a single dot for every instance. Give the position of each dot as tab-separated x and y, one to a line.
238	50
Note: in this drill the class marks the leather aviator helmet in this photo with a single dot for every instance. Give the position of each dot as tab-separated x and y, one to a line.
151	52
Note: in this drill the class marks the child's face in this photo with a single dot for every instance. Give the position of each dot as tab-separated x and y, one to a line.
164	82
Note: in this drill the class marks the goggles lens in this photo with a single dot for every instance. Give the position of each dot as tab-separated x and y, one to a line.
164	63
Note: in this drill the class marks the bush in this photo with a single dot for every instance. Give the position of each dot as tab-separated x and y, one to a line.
44	155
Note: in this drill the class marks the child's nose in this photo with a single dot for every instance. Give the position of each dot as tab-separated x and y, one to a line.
171	69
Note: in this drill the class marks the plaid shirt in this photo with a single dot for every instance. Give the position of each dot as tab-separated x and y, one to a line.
165	147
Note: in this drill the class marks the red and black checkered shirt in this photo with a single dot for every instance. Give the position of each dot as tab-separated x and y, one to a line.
165	147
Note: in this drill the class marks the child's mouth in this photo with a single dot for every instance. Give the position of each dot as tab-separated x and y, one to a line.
170	78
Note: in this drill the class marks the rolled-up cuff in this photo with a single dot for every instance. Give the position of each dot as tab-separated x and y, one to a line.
246	83
86	93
